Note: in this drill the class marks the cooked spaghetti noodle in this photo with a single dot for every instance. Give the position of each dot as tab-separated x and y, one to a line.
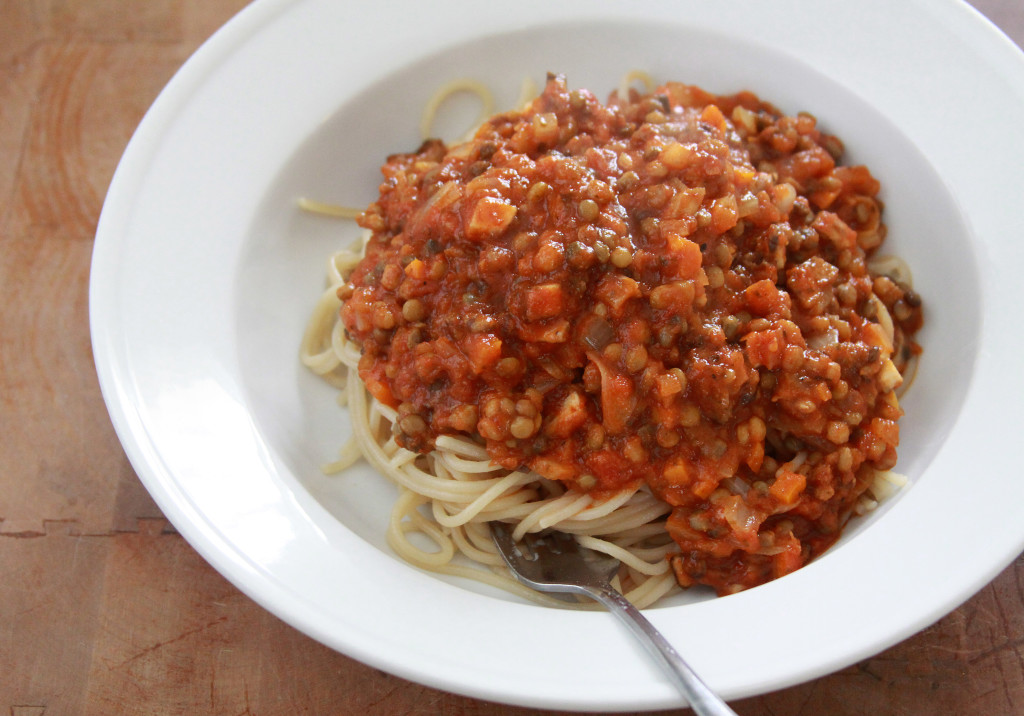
649	323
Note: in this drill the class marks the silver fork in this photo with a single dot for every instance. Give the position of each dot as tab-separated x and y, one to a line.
553	562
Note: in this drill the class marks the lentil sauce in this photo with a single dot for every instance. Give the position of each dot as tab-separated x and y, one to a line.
668	290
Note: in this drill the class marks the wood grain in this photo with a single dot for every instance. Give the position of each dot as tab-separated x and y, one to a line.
104	608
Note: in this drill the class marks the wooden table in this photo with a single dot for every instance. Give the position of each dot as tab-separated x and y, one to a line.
104	608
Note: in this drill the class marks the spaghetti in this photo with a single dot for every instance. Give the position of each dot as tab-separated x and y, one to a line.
650	323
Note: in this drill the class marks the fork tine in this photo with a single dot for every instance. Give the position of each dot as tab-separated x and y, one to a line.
549	561
534	545
553	543
507	548
502	536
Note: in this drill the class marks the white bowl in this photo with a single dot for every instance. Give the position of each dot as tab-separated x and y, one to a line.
204	272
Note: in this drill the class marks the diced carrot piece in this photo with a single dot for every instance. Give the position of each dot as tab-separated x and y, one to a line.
675	296
787	486
724	214
765	348
787	561
551	469
416	270
482	350
544	301
556	331
703	487
667	385
807	163
755	456
490	217
713	115
615	289
763	297
687	255
677	471
379	389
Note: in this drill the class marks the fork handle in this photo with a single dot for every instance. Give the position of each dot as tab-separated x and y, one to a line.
703	700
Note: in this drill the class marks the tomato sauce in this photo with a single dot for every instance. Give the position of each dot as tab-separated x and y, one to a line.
669	290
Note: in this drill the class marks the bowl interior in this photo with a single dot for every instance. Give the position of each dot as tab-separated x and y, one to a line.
283	267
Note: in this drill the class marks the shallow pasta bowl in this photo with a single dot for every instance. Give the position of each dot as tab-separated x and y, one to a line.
204	272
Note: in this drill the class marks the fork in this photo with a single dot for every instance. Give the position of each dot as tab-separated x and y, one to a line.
552	561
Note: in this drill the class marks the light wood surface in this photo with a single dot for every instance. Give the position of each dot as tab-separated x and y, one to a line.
104	608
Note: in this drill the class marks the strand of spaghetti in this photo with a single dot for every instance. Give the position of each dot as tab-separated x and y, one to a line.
640	512
605	507
453	491
402	457
864	505
885	322
623	555
375	420
405	518
892	266
439	465
390	447
441	488
653	589
552	513
484	500
439	469
640	533
648	554
463	465
528	91
619	526
315	354
886	483
464	543
461	446
629	78
341	263
651	531
895	478
524	498
349	455
413	478
479	535
346	350
447	90
514	513
909	372
385	411
337	379
336	276
318	207
521	501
